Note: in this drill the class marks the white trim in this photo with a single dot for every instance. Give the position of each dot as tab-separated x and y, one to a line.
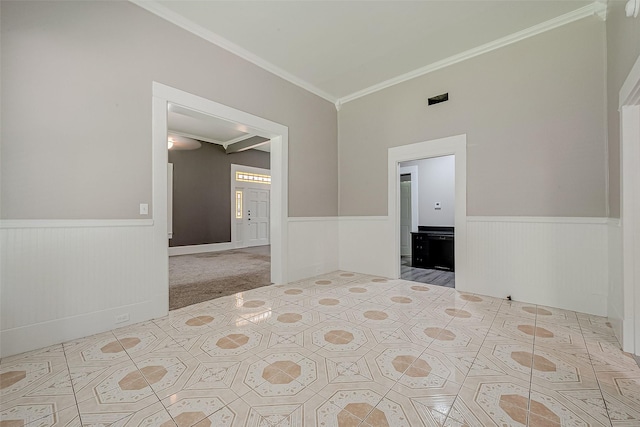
73	223
540	219
596	8
363	218
454	145
314	218
279	136
630	90
225	44
614	222
629	102
559	21
199	249
415	194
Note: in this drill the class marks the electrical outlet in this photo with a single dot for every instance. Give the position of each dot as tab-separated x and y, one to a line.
122	318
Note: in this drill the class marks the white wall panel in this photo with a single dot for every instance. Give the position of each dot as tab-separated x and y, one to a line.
313	244
615	300
67	279
557	262
366	245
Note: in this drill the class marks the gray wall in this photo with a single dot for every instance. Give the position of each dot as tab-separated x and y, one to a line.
76	102
623	48
202	192
436	183
534	115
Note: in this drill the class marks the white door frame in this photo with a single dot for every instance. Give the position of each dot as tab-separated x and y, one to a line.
454	145
164	95
413	171
629	103
235	185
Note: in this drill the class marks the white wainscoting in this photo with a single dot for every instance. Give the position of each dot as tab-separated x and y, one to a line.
313	246
66	279
615	300
366	245
557	262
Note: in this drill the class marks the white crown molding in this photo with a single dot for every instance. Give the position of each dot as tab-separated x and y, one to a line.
598	8
225	44
595	8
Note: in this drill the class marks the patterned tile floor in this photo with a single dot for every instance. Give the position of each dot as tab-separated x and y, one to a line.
341	350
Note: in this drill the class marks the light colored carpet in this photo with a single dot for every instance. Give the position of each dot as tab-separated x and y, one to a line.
201	277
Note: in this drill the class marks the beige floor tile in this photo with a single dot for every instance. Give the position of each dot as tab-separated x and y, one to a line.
284	414
557	337
284	376
97	350
53	355
567	407
425	409
190	407
562	370
623	386
40	414
88	380
151	415
458	363
53	387
506	329
339	338
230	342
167	375
340	349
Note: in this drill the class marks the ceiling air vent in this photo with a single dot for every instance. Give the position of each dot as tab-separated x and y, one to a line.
438	99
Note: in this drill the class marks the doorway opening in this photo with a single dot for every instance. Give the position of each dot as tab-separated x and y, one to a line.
405	156
256	132
427	220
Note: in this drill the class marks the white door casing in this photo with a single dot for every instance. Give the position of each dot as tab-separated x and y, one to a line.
453	145
170	200
629	103
405	217
162	97
415	194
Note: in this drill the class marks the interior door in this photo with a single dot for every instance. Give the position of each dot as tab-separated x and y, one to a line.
257	217
405	218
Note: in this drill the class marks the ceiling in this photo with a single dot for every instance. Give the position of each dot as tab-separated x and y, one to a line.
233	137
343	49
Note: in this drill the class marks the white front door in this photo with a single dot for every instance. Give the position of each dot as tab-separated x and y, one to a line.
257	217
405	218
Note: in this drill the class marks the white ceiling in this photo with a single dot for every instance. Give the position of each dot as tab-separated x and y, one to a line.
193	124
339	49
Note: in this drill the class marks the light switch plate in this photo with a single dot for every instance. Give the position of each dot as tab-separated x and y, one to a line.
144	209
